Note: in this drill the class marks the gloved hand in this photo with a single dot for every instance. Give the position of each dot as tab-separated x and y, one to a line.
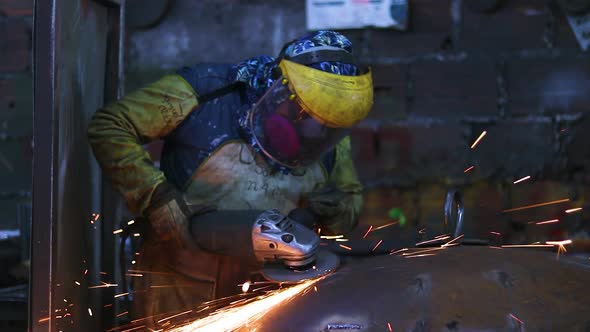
169	213
330	209
327	202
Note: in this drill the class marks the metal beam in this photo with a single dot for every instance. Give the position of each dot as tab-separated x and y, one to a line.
44	164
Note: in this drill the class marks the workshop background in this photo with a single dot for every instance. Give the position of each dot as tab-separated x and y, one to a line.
515	71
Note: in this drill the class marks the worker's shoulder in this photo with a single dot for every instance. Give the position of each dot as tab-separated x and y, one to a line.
206	77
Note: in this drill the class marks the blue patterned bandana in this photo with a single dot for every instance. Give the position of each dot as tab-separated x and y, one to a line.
257	74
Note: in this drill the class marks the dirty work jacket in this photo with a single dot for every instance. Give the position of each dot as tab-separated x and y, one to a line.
205	156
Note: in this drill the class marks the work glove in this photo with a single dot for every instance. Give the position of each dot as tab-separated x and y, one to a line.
325	209
327	202
169	213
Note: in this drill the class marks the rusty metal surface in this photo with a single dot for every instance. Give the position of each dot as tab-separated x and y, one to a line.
458	289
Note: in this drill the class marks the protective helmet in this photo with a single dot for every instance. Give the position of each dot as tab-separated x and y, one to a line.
307	111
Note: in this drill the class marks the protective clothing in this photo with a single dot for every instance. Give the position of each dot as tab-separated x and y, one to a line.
169	214
306	112
209	157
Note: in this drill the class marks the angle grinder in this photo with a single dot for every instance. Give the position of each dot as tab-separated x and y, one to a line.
288	251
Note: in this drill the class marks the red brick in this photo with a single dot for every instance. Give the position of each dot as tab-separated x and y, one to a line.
548	85
15	46
16	7
454	89
516	25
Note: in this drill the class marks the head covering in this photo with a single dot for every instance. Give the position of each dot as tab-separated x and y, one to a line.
257	74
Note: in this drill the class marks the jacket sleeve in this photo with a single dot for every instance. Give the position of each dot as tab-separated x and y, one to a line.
345	178
118	132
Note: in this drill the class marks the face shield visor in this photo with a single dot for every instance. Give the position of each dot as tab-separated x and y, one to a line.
307	112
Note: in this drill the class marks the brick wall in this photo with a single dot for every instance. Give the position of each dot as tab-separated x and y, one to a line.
517	73
16	112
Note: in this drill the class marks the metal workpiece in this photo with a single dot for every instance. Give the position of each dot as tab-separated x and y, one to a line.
464	288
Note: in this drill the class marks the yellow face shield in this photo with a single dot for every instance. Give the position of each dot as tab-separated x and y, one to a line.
306	112
331	99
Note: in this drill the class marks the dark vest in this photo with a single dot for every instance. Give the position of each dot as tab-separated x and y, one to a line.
207	127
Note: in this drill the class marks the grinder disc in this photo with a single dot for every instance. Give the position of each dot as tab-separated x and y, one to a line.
326	262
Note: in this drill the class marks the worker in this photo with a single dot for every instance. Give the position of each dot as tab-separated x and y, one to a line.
267	133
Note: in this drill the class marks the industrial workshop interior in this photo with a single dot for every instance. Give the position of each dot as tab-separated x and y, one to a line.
295	166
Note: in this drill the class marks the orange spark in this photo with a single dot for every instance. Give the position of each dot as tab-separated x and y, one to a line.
134	274
345	247
378	243
552	221
526	246
245	287
389	327
400	250
383	226
453	240
331	237
468	169
90	311
103	286
315	289
521	322
44	320
368	231
422	251
433	240
131	222
234	317
136	234
135	328
77	283
173	316
573	210
559	243
422	255
494	247
523	179
123	313
496	233
478	139
118	231
537	205
122	294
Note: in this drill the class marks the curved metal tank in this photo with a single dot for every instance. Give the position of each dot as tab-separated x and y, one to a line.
458	289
